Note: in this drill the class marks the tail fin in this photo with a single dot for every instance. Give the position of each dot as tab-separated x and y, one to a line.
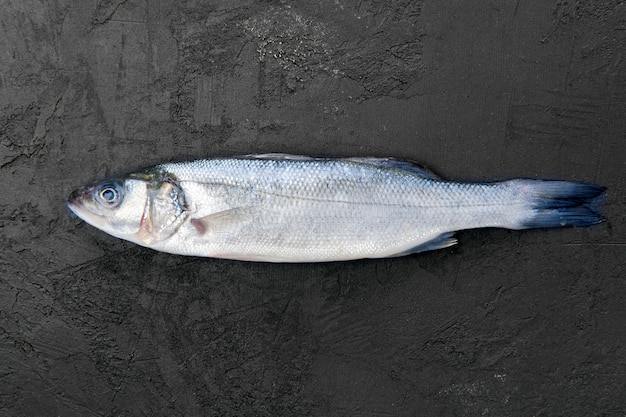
562	203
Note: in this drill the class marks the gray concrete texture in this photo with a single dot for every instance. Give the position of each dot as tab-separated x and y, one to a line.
504	324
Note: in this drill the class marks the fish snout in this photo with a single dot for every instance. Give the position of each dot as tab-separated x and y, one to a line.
78	197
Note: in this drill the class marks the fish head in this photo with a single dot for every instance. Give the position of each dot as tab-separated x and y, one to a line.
143	208
114	206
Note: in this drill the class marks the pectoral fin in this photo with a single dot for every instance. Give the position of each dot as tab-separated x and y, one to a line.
222	221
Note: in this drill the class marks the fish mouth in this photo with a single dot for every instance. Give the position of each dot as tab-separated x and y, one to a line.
81	203
75	201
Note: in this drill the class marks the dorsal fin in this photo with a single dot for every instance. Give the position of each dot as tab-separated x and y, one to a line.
390	163
280	156
397	164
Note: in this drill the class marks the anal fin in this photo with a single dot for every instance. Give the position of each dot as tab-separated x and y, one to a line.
444	240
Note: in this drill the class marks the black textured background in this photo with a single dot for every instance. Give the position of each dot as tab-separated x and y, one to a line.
504	324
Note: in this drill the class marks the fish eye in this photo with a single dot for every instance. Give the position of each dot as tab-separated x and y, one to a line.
108	195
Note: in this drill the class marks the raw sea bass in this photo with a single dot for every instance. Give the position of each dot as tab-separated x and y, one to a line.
287	208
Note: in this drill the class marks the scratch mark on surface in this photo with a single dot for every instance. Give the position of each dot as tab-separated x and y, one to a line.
83	265
280	320
596	244
251	307
101	21
619	177
516	8
131	357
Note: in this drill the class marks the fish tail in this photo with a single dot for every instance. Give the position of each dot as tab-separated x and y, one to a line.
561	203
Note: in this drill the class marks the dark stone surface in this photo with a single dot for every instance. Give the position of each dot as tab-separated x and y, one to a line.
505	324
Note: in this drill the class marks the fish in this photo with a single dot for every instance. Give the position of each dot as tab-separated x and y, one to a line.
293	208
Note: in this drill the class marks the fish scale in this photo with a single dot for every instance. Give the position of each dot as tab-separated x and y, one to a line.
285	208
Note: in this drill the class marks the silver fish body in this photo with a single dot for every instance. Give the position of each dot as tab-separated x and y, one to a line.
284	208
